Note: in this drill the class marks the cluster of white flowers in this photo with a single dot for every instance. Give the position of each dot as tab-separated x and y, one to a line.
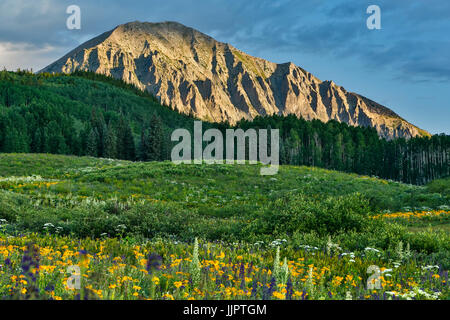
70	201
307	248
278	242
372	251
416	292
350	254
48	226
430	267
121	228
86	170
102	163
386	273
28	179
403	253
332	247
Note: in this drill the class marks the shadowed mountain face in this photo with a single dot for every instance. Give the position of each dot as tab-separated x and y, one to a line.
213	81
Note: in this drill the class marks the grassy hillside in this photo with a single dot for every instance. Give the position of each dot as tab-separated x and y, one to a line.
81	115
232	197
130	228
77	95
215	188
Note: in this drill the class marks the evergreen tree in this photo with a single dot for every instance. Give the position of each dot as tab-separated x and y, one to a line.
110	143
126	148
91	145
155	139
144	145
129	144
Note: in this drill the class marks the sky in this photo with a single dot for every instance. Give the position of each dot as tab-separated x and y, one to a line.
405	65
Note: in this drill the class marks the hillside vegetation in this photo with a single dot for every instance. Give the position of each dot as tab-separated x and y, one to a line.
89	197
90	114
130	227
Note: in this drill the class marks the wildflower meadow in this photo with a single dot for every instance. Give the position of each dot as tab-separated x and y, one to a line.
84	229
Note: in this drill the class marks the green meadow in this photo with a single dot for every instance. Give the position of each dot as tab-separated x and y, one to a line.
102	211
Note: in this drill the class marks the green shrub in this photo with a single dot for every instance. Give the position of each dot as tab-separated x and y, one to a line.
298	213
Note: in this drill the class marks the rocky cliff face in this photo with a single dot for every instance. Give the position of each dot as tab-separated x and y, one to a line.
195	74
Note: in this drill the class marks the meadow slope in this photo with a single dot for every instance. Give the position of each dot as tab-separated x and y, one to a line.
130	226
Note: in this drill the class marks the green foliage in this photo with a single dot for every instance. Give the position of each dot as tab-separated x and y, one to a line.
88	197
89	114
312	215
440	186
338	146
299	213
81	114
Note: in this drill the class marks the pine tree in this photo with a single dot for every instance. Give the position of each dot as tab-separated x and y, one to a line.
144	145
156	139
99	126
126	148
110	143
11	141
91	144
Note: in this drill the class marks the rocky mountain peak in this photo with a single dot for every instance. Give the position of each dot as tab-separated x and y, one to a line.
195	74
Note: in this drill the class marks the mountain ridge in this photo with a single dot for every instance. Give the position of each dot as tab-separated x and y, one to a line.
195	74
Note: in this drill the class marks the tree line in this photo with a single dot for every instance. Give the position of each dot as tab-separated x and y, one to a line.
360	150
94	115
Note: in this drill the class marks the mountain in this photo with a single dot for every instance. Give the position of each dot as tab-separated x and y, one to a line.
213	81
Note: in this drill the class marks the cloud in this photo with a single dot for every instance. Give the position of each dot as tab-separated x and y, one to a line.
27	52
411	44
407	57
